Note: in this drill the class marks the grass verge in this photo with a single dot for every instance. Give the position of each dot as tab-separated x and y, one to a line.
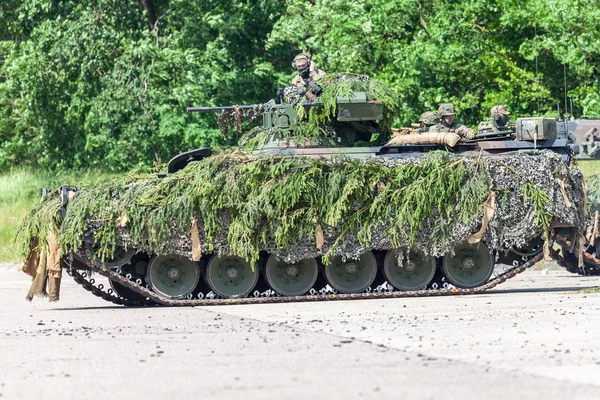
593	290
589	167
20	189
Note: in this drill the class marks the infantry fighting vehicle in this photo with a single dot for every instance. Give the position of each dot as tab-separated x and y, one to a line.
585	132
530	197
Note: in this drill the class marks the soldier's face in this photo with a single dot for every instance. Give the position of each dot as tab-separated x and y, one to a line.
301	64
448	119
303	68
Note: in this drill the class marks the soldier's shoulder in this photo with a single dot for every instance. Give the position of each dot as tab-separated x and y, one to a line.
318	73
438	128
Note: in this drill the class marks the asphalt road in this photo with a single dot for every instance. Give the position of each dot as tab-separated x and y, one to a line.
533	337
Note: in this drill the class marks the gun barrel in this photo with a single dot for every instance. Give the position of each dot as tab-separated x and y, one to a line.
205	109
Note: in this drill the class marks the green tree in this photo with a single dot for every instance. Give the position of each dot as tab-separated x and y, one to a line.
99	83
474	53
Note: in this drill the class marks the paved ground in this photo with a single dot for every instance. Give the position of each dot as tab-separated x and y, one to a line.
536	336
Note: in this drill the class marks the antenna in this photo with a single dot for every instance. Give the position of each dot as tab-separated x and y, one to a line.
565	79
562	20
571	101
537	76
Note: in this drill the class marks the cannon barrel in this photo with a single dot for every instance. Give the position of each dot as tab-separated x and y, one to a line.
205	109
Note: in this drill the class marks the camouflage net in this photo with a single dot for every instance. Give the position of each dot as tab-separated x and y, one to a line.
314	124
593	207
233	119
301	207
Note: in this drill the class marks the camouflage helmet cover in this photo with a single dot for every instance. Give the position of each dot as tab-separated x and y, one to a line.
428	118
302	56
500	111
301	64
446	109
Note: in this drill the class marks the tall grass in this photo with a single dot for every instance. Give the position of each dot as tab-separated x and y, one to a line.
20	189
589	167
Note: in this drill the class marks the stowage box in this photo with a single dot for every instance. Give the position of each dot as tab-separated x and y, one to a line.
536	128
359	106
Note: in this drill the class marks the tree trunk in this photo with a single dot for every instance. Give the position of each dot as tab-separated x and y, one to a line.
148	6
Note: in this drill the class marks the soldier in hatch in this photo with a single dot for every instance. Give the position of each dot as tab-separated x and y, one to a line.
427	120
308	73
446	115
500	122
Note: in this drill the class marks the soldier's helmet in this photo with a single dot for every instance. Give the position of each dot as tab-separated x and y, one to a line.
428	118
301	63
500	115
446	109
500	111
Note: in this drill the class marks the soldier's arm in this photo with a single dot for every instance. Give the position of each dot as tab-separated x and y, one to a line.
298	81
465	132
318	74
310	96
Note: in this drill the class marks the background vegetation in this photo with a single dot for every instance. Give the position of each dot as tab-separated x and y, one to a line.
20	189
101	83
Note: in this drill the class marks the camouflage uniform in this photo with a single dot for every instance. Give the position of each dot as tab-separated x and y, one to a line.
461	130
307	75
314	75
499	123
427	120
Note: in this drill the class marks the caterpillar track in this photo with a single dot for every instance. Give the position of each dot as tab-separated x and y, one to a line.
145	296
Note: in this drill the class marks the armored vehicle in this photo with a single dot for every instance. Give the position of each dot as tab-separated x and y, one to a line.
585	132
583	257
318	205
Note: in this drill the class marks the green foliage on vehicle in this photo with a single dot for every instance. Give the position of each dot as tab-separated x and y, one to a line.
243	205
